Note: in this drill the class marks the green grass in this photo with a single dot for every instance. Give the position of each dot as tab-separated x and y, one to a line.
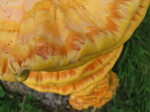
14	102
133	69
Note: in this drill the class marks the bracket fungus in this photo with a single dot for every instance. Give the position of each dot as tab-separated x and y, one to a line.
67	46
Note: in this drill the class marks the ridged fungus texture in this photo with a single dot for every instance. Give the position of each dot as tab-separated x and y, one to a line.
67	46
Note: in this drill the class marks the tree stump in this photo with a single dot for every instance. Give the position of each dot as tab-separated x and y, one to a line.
49	99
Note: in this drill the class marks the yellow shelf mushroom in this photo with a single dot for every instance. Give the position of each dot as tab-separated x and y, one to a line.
92	82
67	46
74	80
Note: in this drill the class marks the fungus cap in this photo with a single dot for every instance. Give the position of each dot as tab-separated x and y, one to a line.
101	93
74	80
85	84
57	35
